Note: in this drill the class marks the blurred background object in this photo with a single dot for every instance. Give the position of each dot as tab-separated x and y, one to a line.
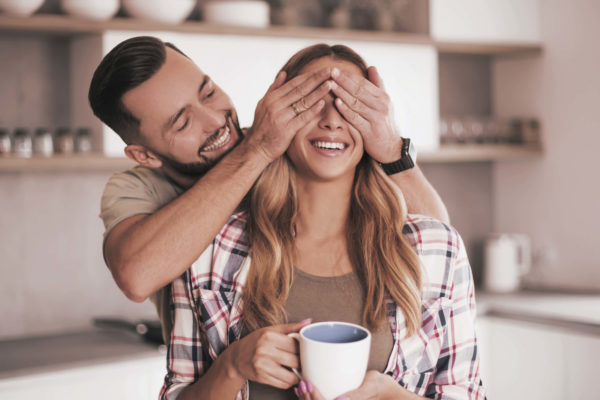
97	10
163	11
20	8
253	13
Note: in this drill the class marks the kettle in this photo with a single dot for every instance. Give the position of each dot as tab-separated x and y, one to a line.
507	257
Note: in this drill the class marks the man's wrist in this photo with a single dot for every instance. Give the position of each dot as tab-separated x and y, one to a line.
405	162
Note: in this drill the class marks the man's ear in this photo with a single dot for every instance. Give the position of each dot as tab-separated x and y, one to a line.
142	156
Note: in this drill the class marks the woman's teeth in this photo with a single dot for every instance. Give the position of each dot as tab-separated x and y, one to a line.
219	141
329	145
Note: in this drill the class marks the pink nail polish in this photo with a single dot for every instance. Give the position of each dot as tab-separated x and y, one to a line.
302	387
306	320
309	387
297	392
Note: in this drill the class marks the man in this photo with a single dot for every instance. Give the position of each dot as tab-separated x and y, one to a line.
196	166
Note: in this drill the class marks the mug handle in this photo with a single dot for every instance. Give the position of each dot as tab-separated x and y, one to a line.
295	335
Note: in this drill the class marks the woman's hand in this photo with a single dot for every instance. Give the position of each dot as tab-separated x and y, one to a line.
367	107
262	355
285	109
375	386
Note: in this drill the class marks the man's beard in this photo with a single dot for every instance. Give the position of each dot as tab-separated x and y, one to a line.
196	170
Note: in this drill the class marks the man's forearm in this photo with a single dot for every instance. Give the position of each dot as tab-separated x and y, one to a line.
420	196
157	248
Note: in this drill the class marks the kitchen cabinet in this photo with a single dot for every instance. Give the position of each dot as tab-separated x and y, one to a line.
139	379
418	106
526	360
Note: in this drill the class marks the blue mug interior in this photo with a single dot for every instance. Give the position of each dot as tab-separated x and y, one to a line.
334	333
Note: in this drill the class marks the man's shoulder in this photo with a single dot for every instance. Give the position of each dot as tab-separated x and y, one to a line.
139	175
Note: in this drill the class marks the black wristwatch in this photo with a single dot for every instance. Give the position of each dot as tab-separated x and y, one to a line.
406	161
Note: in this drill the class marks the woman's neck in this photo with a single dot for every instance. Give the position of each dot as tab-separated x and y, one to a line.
321	245
323	208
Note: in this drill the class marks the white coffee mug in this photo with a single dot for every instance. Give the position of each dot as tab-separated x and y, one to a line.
333	356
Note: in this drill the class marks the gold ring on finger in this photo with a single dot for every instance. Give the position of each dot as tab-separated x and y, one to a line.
303	103
297	110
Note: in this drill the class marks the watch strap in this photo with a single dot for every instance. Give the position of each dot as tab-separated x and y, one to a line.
404	163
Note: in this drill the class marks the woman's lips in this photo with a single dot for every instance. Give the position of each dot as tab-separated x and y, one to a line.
329	147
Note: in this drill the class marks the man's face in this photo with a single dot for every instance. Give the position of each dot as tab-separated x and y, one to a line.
185	118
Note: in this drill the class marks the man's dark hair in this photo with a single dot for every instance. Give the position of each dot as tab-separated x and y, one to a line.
128	65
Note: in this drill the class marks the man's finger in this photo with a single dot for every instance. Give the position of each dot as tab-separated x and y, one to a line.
355	119
279	79
357	86
301	85
375	78
354	102
305	117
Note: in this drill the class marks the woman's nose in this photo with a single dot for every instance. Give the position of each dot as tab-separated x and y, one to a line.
331	119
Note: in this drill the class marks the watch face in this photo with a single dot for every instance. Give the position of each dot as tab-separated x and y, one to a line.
412	151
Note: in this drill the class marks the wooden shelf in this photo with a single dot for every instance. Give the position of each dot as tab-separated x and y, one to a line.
66	25
101	163
480	153
64	163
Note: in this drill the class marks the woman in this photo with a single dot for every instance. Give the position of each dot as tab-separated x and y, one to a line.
325	237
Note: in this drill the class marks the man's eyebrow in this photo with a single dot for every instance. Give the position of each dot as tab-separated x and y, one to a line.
171	121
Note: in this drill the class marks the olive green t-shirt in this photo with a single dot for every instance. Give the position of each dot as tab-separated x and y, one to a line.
140	190
340	298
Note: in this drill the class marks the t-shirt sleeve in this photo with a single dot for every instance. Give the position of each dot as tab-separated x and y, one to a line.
130	193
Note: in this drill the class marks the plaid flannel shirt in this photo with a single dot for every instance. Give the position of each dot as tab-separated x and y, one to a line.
440	361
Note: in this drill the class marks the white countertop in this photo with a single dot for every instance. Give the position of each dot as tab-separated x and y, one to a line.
582	309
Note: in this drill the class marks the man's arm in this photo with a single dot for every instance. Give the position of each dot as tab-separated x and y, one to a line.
146	252
367	107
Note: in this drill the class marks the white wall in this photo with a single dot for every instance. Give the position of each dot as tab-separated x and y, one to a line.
556	199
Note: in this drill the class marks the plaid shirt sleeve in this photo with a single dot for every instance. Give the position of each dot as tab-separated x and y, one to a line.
205	306
441	360
457	371
187	358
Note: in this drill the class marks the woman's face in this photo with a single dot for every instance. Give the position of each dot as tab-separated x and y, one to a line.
328	147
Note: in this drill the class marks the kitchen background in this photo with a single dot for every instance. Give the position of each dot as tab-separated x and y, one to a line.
53	279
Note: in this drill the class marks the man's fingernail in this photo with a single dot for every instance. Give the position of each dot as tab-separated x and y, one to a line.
302	387
308	387
335	72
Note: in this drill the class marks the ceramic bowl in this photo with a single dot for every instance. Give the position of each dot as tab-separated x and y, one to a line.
20	7
97	10
242	13
163	11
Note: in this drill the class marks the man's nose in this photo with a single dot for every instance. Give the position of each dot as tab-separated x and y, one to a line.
210	119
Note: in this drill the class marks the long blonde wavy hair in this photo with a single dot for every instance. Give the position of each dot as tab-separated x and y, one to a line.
384	261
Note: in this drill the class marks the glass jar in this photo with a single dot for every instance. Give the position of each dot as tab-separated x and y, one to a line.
83	140
43	143
64	141
5	143
22	143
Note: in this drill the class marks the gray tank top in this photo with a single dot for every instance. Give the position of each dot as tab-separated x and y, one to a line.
345	299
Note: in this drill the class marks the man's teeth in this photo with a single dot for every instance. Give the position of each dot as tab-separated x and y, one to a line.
329	145
219	140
